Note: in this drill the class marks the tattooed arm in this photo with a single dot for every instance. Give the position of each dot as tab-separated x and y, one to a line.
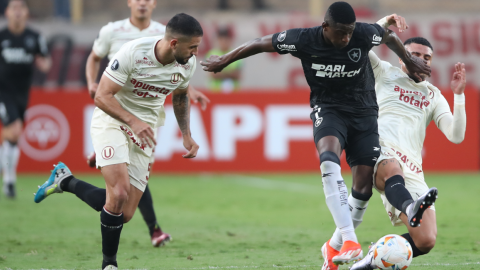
181	108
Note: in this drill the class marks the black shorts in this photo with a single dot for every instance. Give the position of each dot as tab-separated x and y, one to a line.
12	107
357	133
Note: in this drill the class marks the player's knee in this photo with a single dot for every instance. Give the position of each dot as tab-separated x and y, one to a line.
329	156
425	243
120	195
127	217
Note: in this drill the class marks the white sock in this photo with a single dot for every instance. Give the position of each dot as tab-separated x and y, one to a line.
336	196
357	209
10	155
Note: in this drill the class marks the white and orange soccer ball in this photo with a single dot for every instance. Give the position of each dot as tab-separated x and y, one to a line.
392	252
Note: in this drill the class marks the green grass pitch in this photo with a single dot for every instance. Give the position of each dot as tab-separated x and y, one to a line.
225	222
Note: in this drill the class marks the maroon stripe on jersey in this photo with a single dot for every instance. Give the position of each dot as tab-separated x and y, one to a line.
440	115
114	77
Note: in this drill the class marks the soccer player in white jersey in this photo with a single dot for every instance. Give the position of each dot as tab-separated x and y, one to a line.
406	109
110	39
129	102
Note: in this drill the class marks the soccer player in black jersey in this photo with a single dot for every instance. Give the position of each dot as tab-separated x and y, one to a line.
337	68
21	49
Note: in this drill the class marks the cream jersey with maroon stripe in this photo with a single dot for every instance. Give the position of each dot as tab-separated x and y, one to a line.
113	35
145	81
406	108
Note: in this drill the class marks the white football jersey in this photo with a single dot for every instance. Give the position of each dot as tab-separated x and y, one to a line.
405	108
145	81
113	35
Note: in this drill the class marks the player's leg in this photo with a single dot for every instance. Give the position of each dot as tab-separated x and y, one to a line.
390	179
11	114
423	238
157	236
329	135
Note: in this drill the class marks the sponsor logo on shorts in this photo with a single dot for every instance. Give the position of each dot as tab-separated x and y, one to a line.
132	137
108	152
376	148
175	78
407	162
318	121
281	37
115	65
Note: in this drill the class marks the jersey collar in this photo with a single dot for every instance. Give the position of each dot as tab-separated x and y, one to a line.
131	26
154	56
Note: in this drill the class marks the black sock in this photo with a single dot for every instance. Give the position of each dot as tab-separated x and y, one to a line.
92	195
111	226
397	194
416	252
360	196
146	208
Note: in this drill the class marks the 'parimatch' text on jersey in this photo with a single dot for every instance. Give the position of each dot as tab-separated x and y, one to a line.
145	81
337	77
406	109
113	35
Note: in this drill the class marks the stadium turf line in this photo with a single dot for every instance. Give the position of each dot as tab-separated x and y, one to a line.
224	222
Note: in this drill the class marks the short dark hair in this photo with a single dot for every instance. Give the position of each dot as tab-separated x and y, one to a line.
418	40
184	24
340	12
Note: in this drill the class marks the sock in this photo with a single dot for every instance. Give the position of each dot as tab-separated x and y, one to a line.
111	226
95	197
358	203
397	194
10	155
336	197
416	252
146	208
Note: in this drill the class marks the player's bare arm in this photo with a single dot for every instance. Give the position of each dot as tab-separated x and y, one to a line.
197	96
259	45
181	108
43	63
105	100
414	65
91	72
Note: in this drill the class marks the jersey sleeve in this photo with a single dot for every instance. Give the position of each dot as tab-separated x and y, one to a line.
373	34
379	67
121	65
42	48
186	82
101	45
442	108
288	41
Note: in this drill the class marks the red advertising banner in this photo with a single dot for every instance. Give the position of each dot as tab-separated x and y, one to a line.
242	132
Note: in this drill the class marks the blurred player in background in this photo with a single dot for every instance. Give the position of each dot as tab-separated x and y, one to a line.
129	102
108	43
22	50
229	79
406	109
335	62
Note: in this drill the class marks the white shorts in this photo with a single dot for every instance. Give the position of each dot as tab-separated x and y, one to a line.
414	180
115	143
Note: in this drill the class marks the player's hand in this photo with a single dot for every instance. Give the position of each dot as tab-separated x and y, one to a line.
418	68
459	79
191	146
144	133
197	96
92	90
397	21
213	64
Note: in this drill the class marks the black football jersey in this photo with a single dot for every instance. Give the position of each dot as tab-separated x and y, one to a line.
340	78
17	59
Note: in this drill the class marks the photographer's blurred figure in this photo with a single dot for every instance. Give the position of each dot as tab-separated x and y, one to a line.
228	80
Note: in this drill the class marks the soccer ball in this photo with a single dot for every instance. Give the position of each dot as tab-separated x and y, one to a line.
392	252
